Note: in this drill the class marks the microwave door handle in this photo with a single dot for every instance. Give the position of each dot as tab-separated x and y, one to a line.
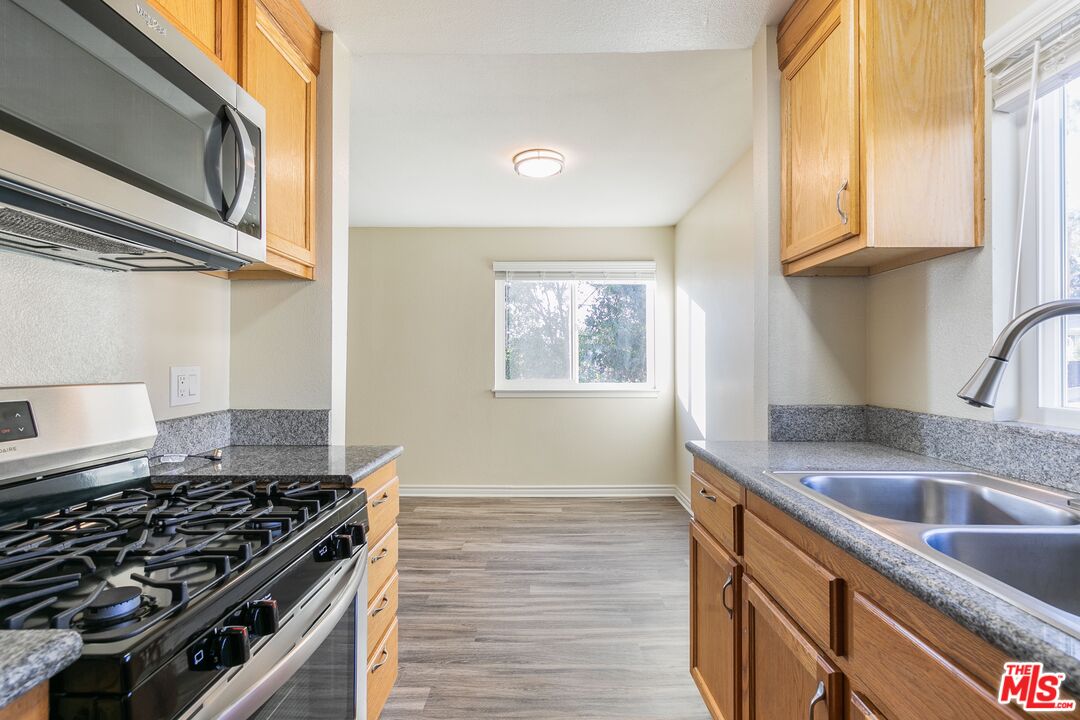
245	180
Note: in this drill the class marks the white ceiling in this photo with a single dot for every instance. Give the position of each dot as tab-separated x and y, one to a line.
646	99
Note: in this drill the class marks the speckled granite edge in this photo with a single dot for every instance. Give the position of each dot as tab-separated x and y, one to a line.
817	423
342	464
1014	631
1044	455
30	657
280	427
206	431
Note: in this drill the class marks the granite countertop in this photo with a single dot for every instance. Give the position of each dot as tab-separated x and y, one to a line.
340	464
30	657
1016	632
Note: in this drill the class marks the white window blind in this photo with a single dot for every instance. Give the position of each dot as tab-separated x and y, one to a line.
624	270
1049	31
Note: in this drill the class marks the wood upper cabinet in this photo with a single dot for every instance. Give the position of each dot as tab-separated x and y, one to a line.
820	132
787	676
211	24
887	96
714	624
279	67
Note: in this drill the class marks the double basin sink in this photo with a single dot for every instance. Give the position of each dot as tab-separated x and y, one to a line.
1020	542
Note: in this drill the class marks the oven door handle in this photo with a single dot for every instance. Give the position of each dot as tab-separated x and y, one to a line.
259	692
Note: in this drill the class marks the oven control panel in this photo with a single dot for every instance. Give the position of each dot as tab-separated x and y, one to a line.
16	421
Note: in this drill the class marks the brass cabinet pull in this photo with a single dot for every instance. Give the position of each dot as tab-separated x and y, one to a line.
723	595
839	210
707	496
382	660
818	697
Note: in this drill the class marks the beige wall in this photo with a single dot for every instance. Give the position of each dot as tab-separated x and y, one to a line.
715	317
421	363
288	336
66	324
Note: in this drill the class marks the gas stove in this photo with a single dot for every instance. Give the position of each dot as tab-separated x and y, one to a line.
175	588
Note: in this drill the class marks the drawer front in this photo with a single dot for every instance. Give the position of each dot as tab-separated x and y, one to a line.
804	588
907	679
382	672
381	613
382	562
378	478
383	506
717	513
719	480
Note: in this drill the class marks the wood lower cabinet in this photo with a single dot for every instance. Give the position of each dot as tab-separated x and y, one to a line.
715	626
276	71
881	133
211	24
31	705
381	487
787	676
859	708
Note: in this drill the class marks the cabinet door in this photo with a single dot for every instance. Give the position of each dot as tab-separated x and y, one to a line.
210	24
276	74
820	136
786	676
714	623
859	708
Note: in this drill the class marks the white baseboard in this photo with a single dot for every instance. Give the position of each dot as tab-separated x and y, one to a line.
683	499
493	491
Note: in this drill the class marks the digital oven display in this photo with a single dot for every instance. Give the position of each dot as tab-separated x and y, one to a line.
16	422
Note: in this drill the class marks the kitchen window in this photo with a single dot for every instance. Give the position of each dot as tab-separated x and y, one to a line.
574	329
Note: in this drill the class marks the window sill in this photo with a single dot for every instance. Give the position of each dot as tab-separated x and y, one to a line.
576	393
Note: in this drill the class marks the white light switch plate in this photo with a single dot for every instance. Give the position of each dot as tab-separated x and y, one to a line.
185	385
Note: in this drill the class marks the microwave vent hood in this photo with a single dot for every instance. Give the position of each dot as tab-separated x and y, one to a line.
31	223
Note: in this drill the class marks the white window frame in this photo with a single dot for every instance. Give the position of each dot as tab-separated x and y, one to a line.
1038	389
624	273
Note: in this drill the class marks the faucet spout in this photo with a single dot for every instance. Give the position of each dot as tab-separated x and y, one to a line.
982	389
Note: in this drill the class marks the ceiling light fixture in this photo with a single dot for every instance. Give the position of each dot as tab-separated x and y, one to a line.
539	163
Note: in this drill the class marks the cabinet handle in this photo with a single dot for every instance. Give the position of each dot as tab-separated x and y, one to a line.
723	595
839	210
818	697
385	498
707	496
382	661
382	606
380	556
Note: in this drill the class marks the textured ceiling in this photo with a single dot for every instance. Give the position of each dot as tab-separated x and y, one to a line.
497	27
647	99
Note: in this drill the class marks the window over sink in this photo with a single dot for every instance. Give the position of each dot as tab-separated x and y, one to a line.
574	328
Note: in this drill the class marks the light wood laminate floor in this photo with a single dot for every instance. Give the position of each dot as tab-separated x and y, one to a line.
546	609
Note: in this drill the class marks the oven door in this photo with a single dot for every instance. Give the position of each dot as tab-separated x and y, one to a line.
312	668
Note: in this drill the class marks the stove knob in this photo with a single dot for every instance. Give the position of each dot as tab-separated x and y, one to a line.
223	648
358	533
261	617
343	547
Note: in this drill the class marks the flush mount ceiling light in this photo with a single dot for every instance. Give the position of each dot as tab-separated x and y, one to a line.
538	163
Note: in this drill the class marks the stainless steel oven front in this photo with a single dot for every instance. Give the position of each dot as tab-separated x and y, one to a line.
312	668
105	105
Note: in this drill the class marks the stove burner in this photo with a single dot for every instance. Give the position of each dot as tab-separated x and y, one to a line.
114	604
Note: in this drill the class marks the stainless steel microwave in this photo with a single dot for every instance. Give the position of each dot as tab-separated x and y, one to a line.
123	146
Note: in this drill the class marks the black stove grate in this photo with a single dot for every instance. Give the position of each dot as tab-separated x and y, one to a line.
113	567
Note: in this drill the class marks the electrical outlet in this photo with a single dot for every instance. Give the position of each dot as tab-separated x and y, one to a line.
185	385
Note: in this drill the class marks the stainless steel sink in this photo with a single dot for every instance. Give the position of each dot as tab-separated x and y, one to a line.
1020	542
936	500
1044	563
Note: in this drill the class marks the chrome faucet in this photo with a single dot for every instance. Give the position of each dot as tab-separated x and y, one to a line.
982	389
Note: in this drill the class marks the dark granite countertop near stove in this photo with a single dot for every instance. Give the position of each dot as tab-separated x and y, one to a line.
1018	633
341	464
30	657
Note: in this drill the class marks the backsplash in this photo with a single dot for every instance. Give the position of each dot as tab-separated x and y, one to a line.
199	433
1034	453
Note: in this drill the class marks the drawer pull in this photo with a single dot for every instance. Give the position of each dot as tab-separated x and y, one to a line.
380	556
707	496
818	697
723	595
381	501
839	210
382	606
382	661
